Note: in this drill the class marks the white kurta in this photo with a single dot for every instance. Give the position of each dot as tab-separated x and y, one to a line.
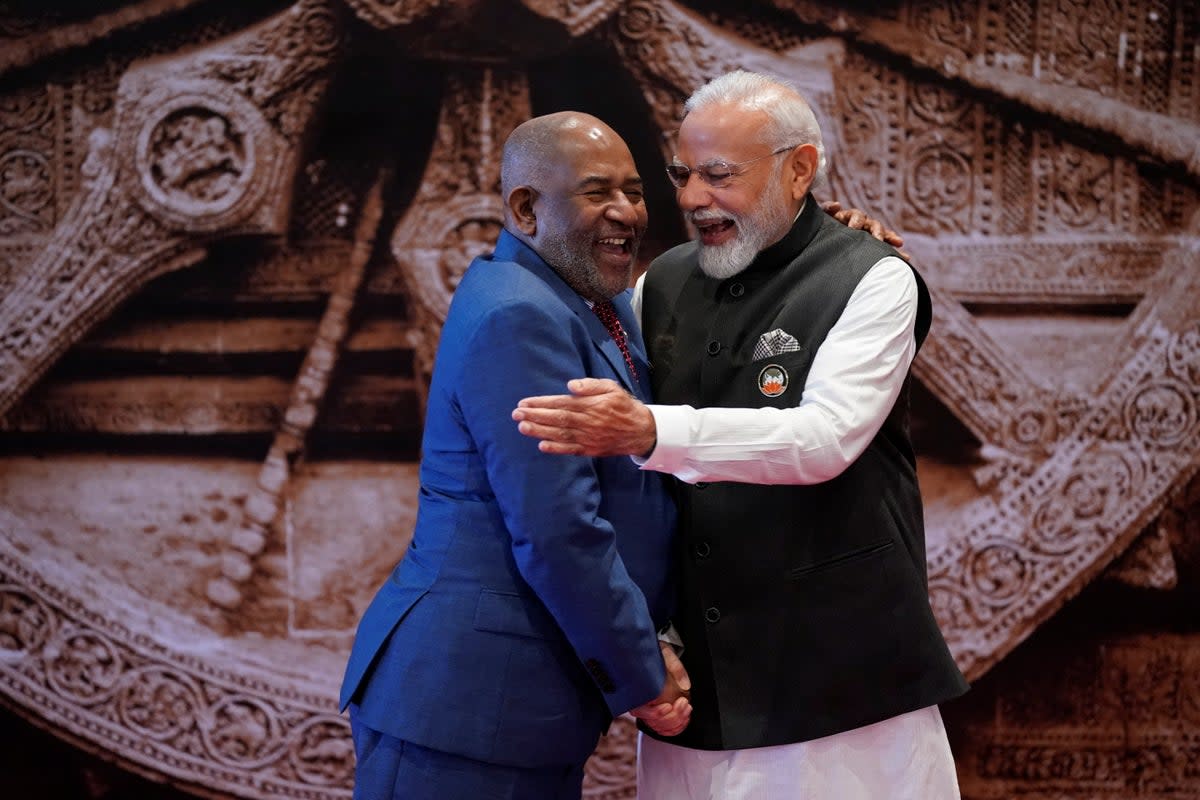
902	758
855	378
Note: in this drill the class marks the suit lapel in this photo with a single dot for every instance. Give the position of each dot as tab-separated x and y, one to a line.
510	248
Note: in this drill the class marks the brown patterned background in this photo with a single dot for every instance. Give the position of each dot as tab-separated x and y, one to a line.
228	236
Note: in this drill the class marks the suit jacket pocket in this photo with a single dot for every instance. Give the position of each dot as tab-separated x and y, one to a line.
519	615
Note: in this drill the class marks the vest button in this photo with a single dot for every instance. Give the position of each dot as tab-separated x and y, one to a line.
712	614
737	289
702	549
714	348
700	485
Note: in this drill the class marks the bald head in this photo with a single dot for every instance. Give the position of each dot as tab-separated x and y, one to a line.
537	147
572	193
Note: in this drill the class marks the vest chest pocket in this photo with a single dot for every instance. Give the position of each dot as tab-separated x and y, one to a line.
774	381
845	558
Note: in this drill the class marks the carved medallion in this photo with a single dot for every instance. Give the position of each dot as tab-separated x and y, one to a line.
197	157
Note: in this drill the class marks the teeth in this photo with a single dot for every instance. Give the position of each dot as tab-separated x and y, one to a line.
618	242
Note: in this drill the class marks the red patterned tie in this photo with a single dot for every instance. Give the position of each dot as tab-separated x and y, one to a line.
608	315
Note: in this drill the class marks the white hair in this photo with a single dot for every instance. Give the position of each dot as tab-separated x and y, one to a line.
790	120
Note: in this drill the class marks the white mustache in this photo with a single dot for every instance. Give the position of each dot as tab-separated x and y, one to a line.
697	217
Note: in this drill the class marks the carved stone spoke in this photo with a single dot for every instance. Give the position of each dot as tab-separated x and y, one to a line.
971	374
1099	485
204	146
456	214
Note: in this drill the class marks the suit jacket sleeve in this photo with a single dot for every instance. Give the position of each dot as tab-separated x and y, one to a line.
563	548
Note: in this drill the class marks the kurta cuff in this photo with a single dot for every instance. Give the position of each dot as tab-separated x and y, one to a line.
672	426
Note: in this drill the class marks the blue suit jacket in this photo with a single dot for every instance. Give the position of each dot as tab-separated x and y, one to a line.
523	616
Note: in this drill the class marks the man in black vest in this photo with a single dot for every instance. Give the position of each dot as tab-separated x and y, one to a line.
780	343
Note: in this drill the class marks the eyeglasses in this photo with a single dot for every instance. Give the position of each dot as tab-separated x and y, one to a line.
718	173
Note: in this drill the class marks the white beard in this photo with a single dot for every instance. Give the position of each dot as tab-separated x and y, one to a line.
726	260
757	230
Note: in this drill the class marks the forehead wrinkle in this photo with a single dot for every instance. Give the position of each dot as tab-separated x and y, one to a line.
721	125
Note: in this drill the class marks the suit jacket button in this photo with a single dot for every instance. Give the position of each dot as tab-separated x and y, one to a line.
712	614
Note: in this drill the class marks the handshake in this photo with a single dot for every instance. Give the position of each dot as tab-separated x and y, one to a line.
669	713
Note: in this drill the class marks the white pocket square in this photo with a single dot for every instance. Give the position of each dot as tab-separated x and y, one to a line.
772	343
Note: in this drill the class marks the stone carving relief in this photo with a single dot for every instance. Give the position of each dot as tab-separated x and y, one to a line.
671	50
307	399
578	16
27	193
194	158
1117	720
1105	479
457	214
393	13
1012	42
463	31
182	714
1055	209
202	144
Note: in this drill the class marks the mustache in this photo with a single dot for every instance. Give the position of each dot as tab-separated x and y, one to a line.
624	233
697	217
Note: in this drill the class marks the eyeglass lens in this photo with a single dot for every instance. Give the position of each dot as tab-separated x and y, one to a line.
716	174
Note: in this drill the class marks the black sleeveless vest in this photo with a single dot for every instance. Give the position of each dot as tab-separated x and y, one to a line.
804	610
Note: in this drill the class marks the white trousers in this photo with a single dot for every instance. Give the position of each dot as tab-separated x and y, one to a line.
903	758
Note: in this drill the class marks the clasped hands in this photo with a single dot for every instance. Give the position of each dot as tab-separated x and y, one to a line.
598	418
670	712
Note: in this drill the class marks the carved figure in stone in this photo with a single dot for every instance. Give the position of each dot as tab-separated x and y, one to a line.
195	153
241	731
99	154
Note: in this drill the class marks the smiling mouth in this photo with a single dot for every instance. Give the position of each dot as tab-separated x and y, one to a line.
616	245
714	231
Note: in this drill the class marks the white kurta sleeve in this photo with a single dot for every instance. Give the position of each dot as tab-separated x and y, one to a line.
855	378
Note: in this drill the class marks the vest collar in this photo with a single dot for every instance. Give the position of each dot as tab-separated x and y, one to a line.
794	241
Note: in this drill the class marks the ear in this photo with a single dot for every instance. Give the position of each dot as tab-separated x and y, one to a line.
520	205
802	164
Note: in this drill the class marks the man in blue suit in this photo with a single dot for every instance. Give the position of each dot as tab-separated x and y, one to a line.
522	618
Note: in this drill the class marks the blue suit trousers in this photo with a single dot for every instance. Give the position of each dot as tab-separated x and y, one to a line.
393	769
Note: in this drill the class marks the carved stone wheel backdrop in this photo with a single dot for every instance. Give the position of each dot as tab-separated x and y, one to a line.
187	609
